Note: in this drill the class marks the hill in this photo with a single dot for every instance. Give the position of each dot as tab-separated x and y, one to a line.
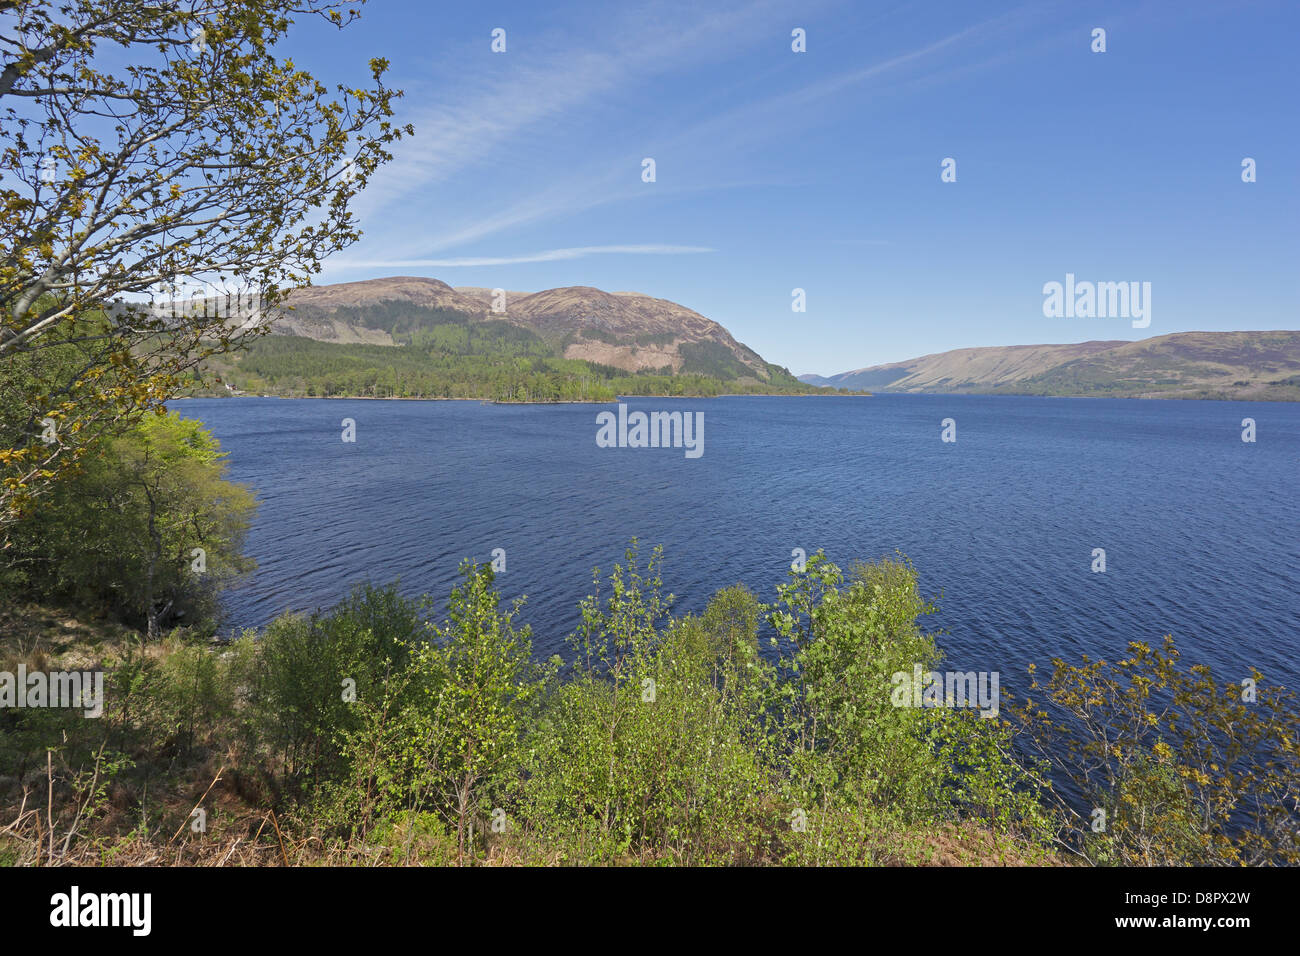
421	338
1214	365
624	330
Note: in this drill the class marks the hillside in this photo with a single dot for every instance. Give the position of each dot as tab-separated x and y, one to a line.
420	338
624	330
1214	365
353	312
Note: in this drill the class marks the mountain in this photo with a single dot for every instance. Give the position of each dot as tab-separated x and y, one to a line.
413	337
627	331
1219	365
951	371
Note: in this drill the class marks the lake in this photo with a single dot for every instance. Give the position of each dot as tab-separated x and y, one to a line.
1201	530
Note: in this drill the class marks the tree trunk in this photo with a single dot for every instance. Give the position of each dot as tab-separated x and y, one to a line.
155	550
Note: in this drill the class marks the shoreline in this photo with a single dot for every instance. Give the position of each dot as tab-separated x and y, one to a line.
1149	397
490	401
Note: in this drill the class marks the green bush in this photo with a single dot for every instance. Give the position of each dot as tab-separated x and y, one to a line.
673	740
646	752
443	733
846	743
313	670
146	528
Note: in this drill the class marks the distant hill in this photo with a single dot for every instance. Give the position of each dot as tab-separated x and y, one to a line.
623	330
1217	365
414	337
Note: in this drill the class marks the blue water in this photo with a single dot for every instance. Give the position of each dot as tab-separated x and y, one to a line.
1201	530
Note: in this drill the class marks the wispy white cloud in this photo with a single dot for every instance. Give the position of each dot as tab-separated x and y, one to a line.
470	121
500	124
549	255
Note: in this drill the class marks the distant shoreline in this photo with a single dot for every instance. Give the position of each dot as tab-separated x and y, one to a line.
1013	395
490	401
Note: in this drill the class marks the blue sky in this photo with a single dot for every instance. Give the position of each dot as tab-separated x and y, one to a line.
820	170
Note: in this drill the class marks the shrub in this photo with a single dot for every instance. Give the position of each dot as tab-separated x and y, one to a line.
645	752
311	671
1184	770
443	733
847	744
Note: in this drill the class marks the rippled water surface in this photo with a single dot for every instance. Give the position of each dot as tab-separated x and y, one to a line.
1201	530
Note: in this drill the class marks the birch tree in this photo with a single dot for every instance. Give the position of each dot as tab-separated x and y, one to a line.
159	163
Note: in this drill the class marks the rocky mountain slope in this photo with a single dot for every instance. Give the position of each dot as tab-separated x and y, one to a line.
624	330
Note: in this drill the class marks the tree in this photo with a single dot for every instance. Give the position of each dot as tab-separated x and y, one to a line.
851	742
156	149
482	682
150	527
444	730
